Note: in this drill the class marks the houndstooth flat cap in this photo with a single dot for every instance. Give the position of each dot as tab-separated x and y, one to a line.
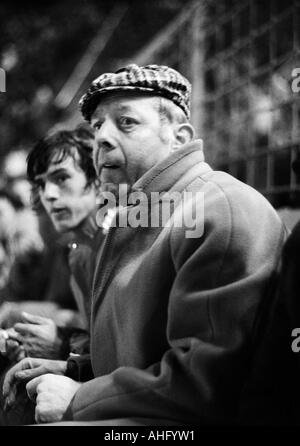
158	79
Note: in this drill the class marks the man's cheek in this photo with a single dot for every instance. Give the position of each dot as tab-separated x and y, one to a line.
166	135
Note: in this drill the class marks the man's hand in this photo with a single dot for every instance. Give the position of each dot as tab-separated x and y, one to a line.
53	395
9	313
14	351
26	370
39	336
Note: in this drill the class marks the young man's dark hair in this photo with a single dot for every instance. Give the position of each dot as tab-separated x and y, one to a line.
77	143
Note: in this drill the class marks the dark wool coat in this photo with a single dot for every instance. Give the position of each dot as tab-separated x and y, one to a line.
172	316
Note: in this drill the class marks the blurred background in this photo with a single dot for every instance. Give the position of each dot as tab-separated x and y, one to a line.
239	55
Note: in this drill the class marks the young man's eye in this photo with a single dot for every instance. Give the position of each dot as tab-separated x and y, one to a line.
97	125
61	179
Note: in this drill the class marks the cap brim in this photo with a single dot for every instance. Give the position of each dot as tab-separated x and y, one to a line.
92	100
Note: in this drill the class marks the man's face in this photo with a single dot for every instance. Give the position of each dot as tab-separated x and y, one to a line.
65	195
130	138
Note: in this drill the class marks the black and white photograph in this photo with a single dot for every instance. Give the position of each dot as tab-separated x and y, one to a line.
150	216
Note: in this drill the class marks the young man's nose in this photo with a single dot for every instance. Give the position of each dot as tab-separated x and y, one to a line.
51	191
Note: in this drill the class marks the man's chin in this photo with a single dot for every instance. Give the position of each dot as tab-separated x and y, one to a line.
63	227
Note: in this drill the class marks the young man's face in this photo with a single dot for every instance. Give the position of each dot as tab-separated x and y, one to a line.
64	194
130	138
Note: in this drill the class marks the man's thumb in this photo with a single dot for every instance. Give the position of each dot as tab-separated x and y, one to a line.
31	387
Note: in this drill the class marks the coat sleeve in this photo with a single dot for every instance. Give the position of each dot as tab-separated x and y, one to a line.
221	279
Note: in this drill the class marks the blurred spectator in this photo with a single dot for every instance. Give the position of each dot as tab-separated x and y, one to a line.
8	227
19	238
15	175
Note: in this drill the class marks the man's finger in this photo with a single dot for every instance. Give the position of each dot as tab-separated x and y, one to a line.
34	319
15	353
11	332
21	354
8	380
10	375
31	387
26	375
25	329
11	398
11	345
14	336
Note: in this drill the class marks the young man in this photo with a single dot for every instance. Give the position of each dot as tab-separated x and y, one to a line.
60	168
172	313
65	186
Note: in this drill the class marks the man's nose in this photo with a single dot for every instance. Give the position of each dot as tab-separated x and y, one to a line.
51	191
104	136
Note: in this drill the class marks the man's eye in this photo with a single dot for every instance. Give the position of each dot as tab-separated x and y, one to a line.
127	122
97	125
61	179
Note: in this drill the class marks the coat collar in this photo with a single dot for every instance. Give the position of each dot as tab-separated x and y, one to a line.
164	175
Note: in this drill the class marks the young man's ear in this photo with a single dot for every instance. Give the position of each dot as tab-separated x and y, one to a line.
184	134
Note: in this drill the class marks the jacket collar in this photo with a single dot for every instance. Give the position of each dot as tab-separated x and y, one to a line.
164	175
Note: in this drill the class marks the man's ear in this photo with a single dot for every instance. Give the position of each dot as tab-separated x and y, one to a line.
184	133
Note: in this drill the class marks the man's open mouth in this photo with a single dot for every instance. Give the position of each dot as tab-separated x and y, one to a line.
58	211
110	166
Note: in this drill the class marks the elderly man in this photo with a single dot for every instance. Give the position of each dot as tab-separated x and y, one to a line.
174	303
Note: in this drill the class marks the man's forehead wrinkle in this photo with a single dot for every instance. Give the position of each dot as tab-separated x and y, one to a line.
120	103
124	107
112	105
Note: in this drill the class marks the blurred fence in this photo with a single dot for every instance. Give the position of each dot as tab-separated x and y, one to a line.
240	56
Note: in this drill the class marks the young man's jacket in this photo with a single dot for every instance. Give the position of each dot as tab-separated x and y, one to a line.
81	263
172	315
